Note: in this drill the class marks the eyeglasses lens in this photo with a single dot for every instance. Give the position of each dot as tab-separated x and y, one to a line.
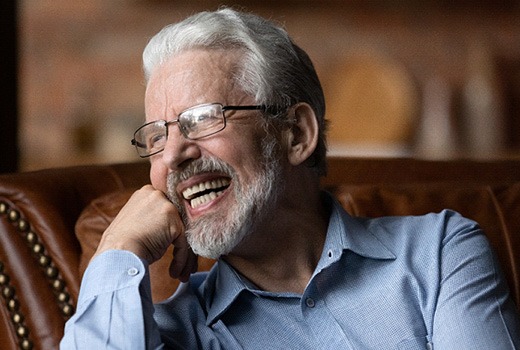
194	123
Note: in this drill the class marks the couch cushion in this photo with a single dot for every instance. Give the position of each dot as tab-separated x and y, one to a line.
93	221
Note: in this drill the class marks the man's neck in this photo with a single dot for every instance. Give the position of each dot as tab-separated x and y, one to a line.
282	254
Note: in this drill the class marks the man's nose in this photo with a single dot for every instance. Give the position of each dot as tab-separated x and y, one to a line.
178	149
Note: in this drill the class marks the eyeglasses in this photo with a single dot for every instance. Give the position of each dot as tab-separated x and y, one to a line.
194	123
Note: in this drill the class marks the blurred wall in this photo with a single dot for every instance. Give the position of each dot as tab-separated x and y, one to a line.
437	79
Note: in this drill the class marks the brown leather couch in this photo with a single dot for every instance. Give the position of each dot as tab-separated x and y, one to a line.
51	220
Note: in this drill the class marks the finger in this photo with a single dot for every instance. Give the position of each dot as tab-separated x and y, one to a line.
181	254
190	266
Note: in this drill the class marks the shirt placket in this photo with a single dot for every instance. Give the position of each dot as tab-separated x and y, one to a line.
326	330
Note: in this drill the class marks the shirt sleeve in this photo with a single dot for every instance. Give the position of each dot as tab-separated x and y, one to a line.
474	309
115	309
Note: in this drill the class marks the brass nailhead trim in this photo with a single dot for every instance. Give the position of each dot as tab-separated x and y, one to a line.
58	285
4	279
22	331
44	261
3	208
9	295
18	318
26	344
51	273
37	248
13	215
8	292
30	237
13	305
23	225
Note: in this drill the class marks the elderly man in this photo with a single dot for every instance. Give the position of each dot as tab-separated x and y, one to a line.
235	133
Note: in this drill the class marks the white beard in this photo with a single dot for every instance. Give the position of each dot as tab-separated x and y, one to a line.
218	233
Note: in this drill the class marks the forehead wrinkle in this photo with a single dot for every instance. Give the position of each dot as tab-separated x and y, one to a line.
191	78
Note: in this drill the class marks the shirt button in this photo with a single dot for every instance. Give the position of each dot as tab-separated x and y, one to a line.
310	302
133	271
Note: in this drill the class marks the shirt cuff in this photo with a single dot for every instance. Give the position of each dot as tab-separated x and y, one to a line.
111	271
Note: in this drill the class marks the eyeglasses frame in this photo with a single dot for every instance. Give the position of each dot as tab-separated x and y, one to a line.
168	123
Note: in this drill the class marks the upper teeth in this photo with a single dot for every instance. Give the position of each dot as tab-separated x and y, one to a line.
191	192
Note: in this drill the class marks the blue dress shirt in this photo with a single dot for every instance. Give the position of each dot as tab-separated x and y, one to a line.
423	282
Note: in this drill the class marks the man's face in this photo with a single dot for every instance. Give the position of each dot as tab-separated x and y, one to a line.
221	183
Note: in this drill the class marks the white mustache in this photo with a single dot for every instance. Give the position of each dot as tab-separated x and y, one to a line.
197	166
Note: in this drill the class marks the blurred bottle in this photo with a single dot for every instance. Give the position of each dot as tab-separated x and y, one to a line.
483	123
435	134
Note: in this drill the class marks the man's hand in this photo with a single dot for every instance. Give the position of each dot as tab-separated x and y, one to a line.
146	226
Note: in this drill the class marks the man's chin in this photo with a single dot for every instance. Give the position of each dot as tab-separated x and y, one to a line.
216	240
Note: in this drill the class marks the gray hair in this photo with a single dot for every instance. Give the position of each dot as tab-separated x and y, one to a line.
274	70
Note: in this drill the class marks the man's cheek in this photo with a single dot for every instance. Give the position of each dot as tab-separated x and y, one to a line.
158	179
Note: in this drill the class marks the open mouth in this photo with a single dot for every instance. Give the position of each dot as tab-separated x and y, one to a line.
204	192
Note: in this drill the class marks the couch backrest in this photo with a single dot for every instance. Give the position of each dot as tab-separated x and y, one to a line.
40	254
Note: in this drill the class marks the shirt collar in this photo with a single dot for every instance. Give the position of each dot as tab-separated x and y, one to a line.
224	279
343	233
354	234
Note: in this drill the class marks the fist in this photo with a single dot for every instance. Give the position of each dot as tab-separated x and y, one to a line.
146	225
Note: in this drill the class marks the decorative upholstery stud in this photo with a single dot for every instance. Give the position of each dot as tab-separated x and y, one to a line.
18	317
22	331
13	215
3	208
63	297
67	309
13	305
37	248
4	279
23	225
44	260
8	292
51	272
58	284
26	344
31	238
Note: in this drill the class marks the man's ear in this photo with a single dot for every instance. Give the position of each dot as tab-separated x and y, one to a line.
303	135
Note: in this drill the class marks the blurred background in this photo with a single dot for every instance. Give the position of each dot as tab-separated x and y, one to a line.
416	78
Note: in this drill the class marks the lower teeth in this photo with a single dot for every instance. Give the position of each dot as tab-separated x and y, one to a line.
204	199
